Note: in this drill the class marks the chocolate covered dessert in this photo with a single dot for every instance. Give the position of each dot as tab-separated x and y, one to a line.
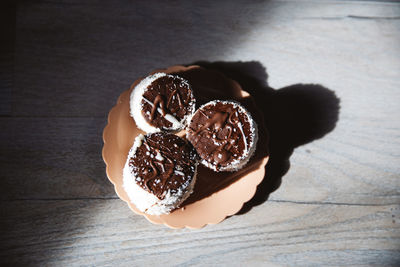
223	134
160	172
162	102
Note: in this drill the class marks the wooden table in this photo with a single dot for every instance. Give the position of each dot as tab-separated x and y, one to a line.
326	74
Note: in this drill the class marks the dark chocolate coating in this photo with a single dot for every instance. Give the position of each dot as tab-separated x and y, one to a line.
220	133
173	95
173	171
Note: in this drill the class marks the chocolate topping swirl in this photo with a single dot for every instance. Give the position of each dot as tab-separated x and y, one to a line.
221	133
170	95
163	162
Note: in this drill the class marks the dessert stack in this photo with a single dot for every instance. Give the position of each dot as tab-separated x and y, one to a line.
161	167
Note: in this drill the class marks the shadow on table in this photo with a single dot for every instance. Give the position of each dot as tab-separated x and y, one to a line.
294	115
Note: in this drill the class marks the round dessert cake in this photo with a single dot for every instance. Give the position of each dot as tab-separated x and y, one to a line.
160	172
162	102
223	134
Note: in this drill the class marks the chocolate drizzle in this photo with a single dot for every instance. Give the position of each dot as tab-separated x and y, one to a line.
167	100
163	162
218	121
171	97
157	101
220	132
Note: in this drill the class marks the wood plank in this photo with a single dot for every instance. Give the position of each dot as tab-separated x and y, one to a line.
7	45
87	54
105	232
331	43
55	158
338	201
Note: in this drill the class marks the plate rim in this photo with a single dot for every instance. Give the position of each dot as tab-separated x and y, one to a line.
118	187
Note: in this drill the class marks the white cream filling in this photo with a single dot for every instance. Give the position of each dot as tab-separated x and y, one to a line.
136	100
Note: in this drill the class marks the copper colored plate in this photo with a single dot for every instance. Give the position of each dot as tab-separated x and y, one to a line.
216	195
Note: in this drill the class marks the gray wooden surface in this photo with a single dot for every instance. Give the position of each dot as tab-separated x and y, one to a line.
325	73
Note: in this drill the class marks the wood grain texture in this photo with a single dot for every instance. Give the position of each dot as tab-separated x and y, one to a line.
49	158
69	150
7	46
333	182
106	233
